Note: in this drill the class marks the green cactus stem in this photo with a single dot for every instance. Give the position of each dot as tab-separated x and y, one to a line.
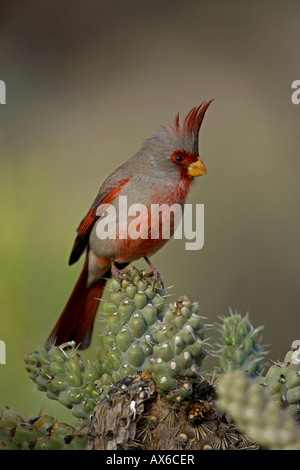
38	433
179	351
256	413
239	347
63	376
282	380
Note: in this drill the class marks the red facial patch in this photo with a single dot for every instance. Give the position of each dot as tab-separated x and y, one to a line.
186	160
183	159
182	163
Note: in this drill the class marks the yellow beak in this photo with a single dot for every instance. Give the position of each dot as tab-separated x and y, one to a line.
196	169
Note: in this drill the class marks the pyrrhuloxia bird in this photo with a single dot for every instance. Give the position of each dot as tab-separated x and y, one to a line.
161	172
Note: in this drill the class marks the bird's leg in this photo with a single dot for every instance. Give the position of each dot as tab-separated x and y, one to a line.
119	274
153	272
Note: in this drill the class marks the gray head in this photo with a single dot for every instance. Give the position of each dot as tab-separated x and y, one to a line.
171	152
181	135
176	146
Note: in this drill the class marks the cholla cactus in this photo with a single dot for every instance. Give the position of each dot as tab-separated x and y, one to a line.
240	348
38	433
63	376
131	318
256	413
142	332
147	342
283	382
179	352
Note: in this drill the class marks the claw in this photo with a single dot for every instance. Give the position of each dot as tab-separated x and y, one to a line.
153	272
118	274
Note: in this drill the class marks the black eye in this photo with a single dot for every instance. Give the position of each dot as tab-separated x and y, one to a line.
179	158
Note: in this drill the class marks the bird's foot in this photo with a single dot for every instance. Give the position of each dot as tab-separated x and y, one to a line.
118	274
153	272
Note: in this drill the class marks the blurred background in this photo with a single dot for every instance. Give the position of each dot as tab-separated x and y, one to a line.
86	83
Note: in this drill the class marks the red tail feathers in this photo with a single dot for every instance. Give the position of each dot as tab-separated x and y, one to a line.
77	319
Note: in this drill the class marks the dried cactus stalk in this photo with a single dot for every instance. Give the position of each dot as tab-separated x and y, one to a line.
134	416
